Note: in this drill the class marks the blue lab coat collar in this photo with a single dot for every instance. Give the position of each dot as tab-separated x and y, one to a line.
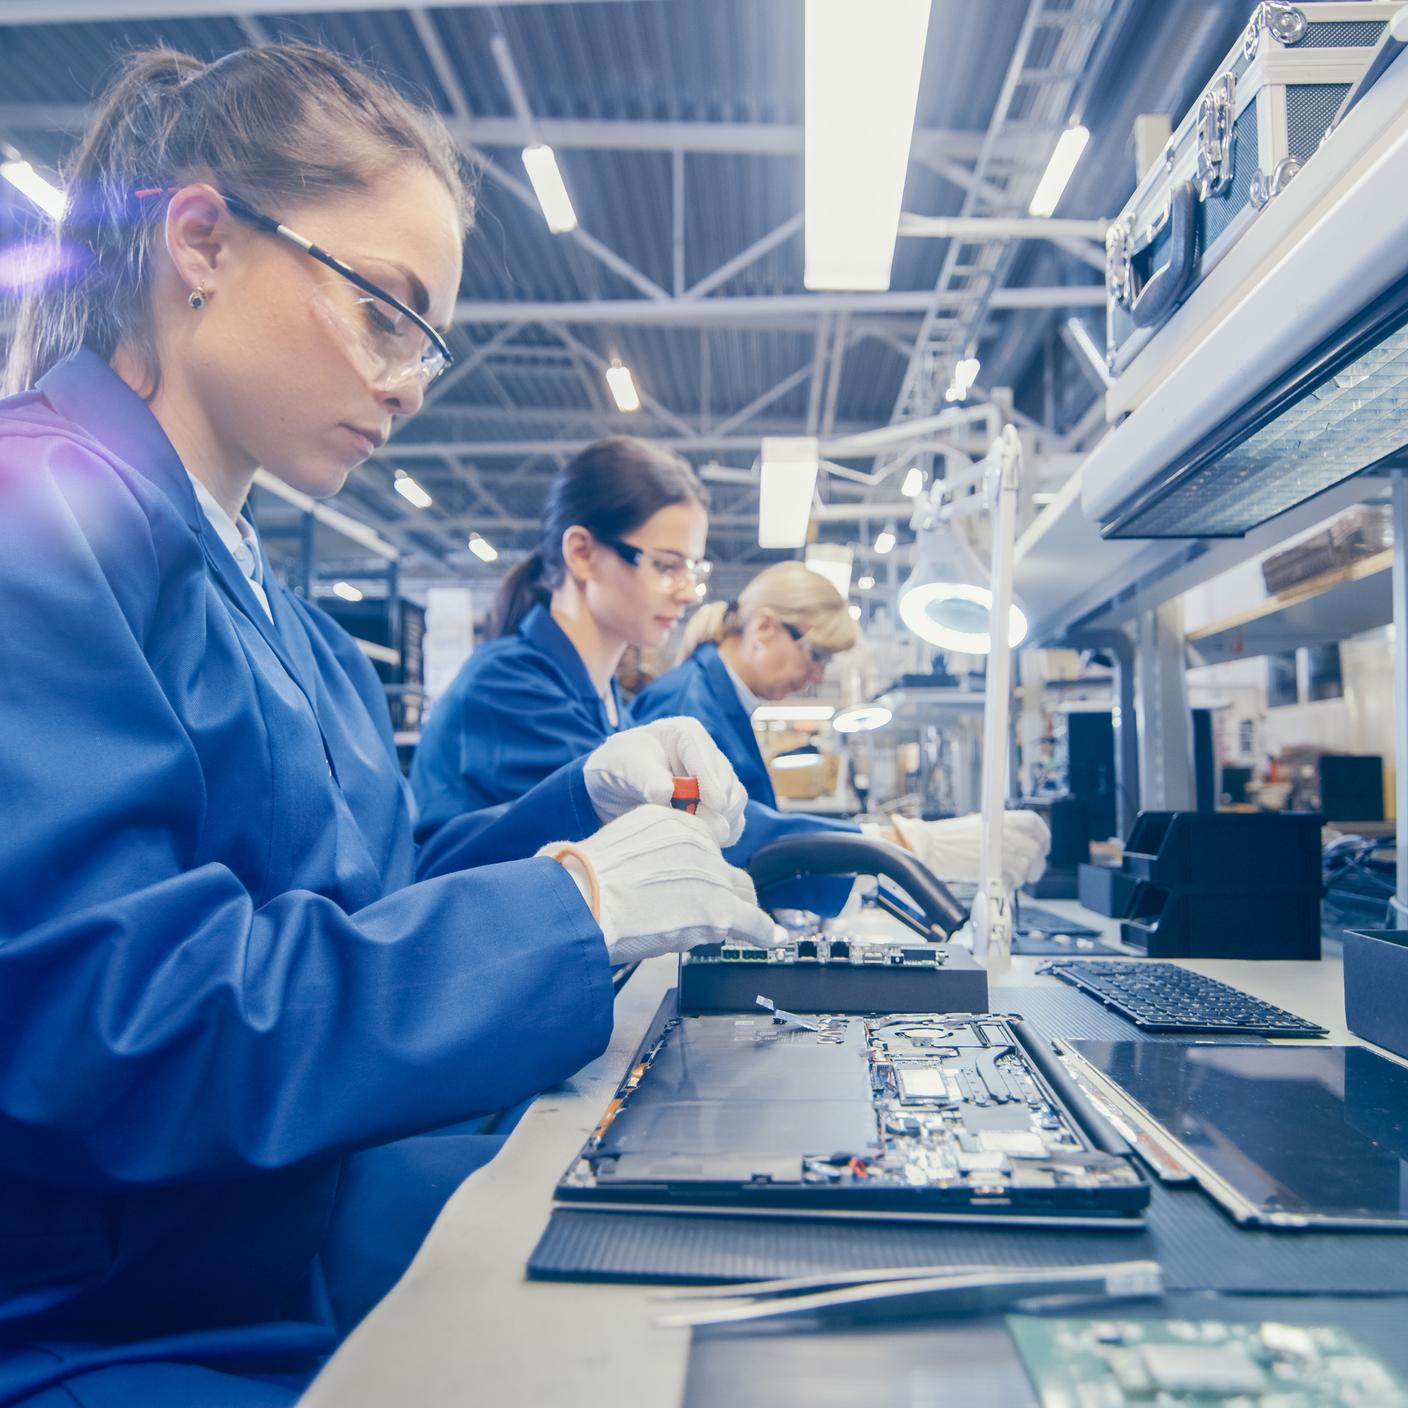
543	633
745	741
85	390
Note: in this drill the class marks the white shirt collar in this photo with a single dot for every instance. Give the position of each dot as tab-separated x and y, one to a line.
746	697
239	538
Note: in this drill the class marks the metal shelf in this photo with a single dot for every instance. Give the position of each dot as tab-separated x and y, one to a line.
1332	607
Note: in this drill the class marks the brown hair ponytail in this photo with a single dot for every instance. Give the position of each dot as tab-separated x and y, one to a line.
278	124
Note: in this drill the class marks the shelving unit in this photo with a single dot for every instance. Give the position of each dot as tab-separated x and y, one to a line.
1331	607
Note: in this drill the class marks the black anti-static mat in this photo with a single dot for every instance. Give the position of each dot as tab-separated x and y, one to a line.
968	1361
1199	1247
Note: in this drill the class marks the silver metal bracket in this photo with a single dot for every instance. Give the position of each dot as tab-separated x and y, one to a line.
1214	170
1284	23
1266	186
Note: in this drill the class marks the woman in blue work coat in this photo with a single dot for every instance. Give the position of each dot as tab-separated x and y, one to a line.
222	970
619	563
778	637
775	638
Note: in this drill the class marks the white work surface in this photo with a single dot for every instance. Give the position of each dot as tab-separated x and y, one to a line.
465	1326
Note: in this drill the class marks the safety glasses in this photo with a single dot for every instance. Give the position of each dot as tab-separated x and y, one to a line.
814	653
673	571
391	344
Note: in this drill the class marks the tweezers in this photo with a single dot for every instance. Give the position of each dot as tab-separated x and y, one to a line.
913	1292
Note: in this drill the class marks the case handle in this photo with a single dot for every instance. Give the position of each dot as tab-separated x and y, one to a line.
1162	293
845	853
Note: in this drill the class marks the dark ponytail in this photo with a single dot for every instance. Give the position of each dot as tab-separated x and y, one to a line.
610	489
520	591
281	124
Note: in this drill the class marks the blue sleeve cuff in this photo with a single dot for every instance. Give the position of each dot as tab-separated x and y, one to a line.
557	809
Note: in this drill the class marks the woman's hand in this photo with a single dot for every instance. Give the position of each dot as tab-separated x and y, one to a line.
952	848
639	766
661	886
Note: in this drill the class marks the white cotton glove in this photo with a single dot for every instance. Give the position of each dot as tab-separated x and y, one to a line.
952	848
640	765
664	887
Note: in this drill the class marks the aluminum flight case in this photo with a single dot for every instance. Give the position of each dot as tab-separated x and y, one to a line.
1255	125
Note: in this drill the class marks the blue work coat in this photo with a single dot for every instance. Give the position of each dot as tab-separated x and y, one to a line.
520	707
524	705
219	974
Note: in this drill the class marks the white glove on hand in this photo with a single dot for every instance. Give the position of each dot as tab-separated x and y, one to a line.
640	765
664	887
952	848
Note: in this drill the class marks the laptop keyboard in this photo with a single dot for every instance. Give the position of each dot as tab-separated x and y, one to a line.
1162	997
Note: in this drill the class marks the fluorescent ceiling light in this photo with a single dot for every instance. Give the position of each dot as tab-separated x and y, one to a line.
25	179
862	69
832	561
346	591
884	541
793	713
913	484
861	718
623	389
790	465
865	583
548	186
483	549
1058	171
965	373
410	490
855	611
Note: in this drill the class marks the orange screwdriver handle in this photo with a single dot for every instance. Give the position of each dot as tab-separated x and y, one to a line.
686	795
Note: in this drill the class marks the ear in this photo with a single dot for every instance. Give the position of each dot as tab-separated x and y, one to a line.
764	622
197	235
577	549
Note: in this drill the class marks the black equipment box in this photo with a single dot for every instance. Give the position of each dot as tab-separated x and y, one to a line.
1224	885
819	972
822	973
1375	980
1105	889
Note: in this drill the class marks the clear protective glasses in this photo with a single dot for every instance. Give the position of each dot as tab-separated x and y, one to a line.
815	653
674	571
388	342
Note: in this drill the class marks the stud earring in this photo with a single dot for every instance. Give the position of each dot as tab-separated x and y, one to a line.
198	297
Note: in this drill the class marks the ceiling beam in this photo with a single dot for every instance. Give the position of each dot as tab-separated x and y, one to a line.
931	145
699	312
82	11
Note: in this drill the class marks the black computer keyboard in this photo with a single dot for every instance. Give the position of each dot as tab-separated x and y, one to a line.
1162	997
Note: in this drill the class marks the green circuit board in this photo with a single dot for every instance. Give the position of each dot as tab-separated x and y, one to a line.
1200	1364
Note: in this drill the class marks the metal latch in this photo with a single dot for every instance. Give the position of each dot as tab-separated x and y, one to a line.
1119	261
1284	23
1266	185
1214	169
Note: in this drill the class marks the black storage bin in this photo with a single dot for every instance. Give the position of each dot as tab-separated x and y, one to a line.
1376	986
1105	889
1224	885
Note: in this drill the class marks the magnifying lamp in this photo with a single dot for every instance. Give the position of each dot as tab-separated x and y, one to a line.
808	755
861	718
947	599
